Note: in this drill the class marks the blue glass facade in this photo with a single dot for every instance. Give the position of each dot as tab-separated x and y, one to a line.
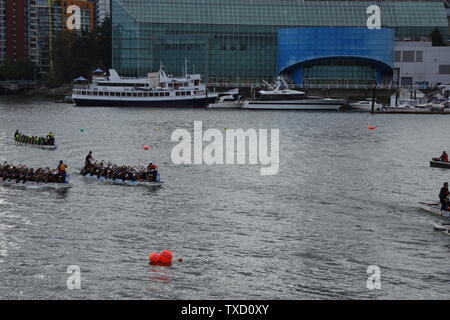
336	55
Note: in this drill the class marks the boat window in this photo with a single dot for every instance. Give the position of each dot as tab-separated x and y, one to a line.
128	94
117	94
197	82
100	93
146	94
178	93
167	94
95	93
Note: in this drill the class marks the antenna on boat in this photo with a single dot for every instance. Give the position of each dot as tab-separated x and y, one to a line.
267	84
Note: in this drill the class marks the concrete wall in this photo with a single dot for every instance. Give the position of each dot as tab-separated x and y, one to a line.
419	61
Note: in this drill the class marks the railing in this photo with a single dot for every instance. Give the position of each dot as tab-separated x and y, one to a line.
327	86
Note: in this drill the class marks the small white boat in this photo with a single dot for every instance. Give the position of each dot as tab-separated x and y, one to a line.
36	185
365	105
126	182
39	146
226	102
434	208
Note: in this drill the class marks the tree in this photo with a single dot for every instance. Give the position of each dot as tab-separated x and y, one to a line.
78	54
436	37
21	69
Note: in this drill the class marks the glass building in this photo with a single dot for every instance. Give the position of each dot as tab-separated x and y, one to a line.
337	55
236	41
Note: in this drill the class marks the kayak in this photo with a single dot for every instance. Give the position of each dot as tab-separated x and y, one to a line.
439	164
39	146
434	208
125	182
36	185
441	226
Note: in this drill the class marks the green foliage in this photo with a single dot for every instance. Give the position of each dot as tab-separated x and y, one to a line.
75	55
436	37
17	70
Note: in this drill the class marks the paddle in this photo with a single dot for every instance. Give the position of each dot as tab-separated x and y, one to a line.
430	204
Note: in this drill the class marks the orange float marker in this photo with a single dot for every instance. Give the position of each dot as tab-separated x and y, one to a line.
146	147
371	127
165	257
153	258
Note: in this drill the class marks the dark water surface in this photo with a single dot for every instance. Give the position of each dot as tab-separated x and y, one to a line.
345	198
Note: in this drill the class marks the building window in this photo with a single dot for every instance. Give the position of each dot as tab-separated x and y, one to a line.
444	69
406	81
408	56
398	56
419	56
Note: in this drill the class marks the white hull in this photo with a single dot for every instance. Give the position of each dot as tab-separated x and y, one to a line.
45	147
169	101
365	107
226	105
434	209
35	185
293	105
126	182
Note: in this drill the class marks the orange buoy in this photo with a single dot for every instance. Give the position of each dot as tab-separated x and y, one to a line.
371	127
165	257
146	147
153	258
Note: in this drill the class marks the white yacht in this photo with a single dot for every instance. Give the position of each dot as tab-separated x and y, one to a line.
156	90
287	99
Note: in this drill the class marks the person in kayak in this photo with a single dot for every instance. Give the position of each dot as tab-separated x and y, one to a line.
62	170
443	197
51	139
89	159
444	157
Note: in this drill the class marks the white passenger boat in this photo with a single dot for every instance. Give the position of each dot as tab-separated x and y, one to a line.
125	182
286	99
39	146
36	185
157	90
